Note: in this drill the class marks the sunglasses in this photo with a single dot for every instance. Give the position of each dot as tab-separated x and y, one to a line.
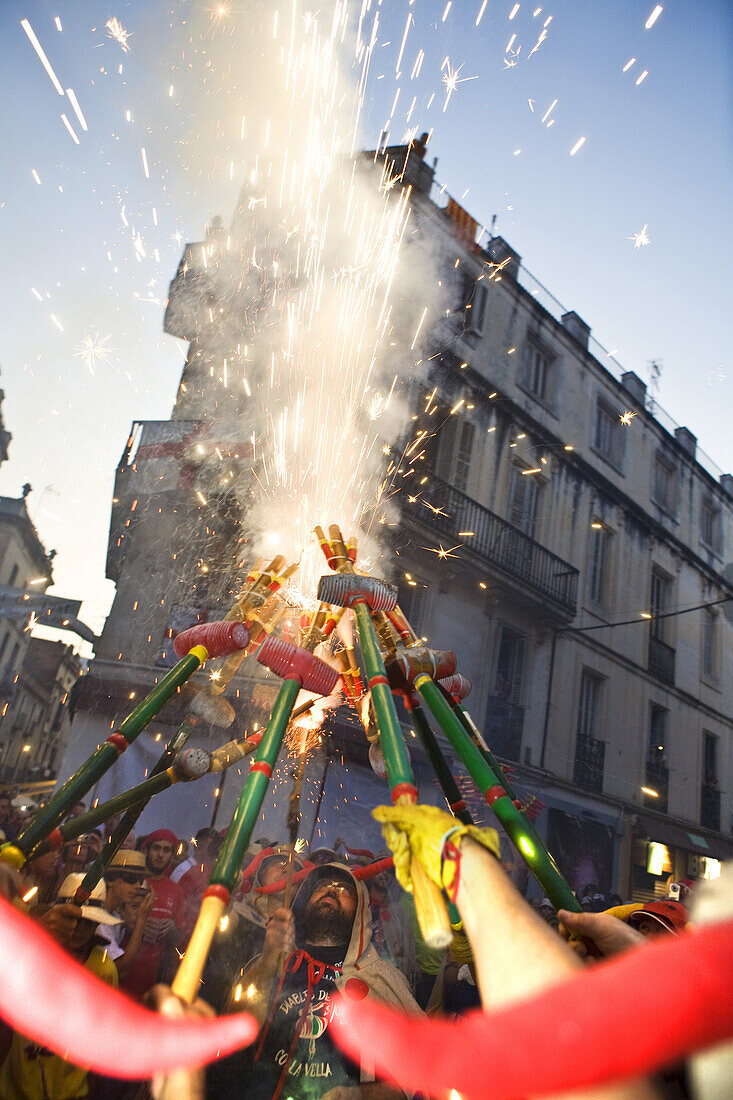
129	877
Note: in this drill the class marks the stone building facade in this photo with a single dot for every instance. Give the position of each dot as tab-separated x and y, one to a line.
573	559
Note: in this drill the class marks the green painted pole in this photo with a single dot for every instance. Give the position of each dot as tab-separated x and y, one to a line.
399	770
48	817
129	819
439	764
473	732
231	854
521	832
239	833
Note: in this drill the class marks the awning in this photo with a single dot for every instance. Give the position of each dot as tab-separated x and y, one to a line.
701	842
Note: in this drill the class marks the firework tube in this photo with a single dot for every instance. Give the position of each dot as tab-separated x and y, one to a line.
231	855
623	1018
40	981
473	732
101	760
365	592
191	764
129	818
518	827
439	764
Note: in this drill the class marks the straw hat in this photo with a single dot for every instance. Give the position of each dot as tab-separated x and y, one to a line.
93	908
127	859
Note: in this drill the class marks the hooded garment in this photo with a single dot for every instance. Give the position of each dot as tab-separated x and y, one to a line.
294	1055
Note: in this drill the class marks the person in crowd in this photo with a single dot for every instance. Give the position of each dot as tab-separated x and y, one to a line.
391	933
74	858
321	945
39	878
592	898
8	826
30	1071
95	843
155	957
244	936
195	878
125	879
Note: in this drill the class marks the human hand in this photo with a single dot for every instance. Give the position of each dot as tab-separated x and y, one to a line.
60	921
601	930
342	1092
419	831
280	933
183	1084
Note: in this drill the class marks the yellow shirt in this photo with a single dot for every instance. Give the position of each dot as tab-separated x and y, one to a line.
32	1072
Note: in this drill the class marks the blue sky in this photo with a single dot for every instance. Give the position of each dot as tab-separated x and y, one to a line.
656	153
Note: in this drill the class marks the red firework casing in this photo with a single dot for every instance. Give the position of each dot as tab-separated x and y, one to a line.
293	663
457	685
218	639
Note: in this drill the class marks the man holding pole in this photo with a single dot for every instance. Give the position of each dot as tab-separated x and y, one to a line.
321	946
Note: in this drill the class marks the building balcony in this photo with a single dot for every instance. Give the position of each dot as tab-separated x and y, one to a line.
661	660
590	756
503	728
710	807
446	511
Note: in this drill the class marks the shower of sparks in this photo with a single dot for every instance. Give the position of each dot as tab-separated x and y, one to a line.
451	79
94	351
640	238
116	31
626	417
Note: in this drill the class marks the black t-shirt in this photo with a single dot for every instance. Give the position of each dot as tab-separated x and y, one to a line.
312	1064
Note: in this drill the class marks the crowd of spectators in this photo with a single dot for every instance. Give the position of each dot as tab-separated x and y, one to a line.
281	962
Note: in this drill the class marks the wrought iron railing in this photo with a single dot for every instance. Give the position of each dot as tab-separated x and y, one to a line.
448	511
589	759
661	660
503	728
710	807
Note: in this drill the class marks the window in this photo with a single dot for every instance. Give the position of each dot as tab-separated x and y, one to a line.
657	775
598	555
710	758
509	667
476	300
464	450
14	574
523	499
455	451
589	750
709	643
665	484
607	438
710	526
661	591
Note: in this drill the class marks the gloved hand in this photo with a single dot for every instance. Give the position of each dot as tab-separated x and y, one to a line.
419	832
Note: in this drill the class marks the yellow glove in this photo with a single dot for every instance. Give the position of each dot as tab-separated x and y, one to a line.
420	832
460	949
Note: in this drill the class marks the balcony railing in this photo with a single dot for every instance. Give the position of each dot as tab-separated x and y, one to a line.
447	511
589	759
503	728
661	660
710	807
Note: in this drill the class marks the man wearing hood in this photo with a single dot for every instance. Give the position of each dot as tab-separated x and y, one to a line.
320	947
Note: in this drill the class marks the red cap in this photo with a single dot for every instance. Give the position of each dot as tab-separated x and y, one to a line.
672	915
161	834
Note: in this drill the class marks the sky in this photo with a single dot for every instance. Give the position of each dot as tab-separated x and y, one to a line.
93	224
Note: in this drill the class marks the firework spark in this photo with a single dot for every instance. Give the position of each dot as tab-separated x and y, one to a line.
641	238
452	79
94	351
626	417
116	31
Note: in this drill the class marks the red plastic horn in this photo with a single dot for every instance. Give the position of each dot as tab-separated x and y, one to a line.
54	1001
625	1018
293	663
219	639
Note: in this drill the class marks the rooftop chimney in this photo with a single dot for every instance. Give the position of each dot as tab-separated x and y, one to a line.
726	483
577	328
499	251
634	385
686	440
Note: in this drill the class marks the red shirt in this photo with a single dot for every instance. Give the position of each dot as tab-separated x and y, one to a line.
144	971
